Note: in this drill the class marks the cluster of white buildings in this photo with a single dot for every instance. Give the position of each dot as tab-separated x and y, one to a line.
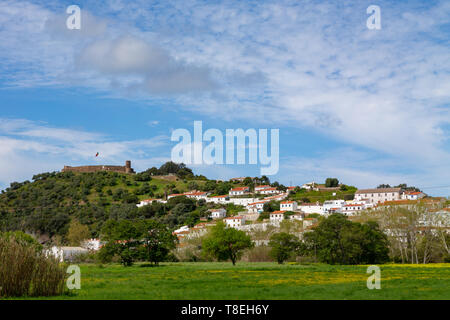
237	196
380	195
254	205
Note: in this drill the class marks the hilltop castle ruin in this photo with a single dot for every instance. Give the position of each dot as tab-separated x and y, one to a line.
120	169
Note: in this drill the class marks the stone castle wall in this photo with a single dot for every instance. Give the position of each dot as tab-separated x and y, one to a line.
84	169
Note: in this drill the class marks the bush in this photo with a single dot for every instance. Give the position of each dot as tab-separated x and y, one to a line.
27	271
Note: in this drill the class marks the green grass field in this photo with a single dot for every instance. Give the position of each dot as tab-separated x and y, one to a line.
260	281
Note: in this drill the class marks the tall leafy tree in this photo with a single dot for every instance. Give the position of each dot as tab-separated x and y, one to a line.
157	241
225	243
336	240
331	182
283	245
77	233
132	240
122	239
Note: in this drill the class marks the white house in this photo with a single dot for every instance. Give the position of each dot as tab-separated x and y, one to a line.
352	208
365	202
262	187
277	216
218	213
379	195
239	191
413	195
309	185
270	191
288	205
145	202
234	222
197	195
256	206
332	205
311	208
218	199
297	216
242	201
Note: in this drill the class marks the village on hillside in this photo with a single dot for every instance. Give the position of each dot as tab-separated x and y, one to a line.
260	208
253	203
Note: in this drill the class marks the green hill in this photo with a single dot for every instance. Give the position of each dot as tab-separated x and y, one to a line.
47	204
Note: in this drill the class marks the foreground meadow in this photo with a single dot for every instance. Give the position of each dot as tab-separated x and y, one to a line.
260	281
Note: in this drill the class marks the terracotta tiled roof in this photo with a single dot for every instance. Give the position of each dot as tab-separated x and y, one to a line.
239	189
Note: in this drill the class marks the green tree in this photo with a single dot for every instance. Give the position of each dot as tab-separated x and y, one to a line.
271	206
192	185
157	241
210	185
77	233
331	182
222	188
336	240
248	182
283	245
226	243
122	239
132	240
264	180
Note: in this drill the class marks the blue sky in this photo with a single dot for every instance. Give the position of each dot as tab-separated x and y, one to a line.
365	106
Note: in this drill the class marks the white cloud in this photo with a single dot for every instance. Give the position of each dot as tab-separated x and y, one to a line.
151	67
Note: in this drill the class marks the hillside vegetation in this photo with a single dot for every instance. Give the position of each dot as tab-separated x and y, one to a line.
46	205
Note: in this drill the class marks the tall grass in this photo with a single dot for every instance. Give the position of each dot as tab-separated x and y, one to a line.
27	271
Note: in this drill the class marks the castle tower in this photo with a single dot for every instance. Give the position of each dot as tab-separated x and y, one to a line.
128	167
